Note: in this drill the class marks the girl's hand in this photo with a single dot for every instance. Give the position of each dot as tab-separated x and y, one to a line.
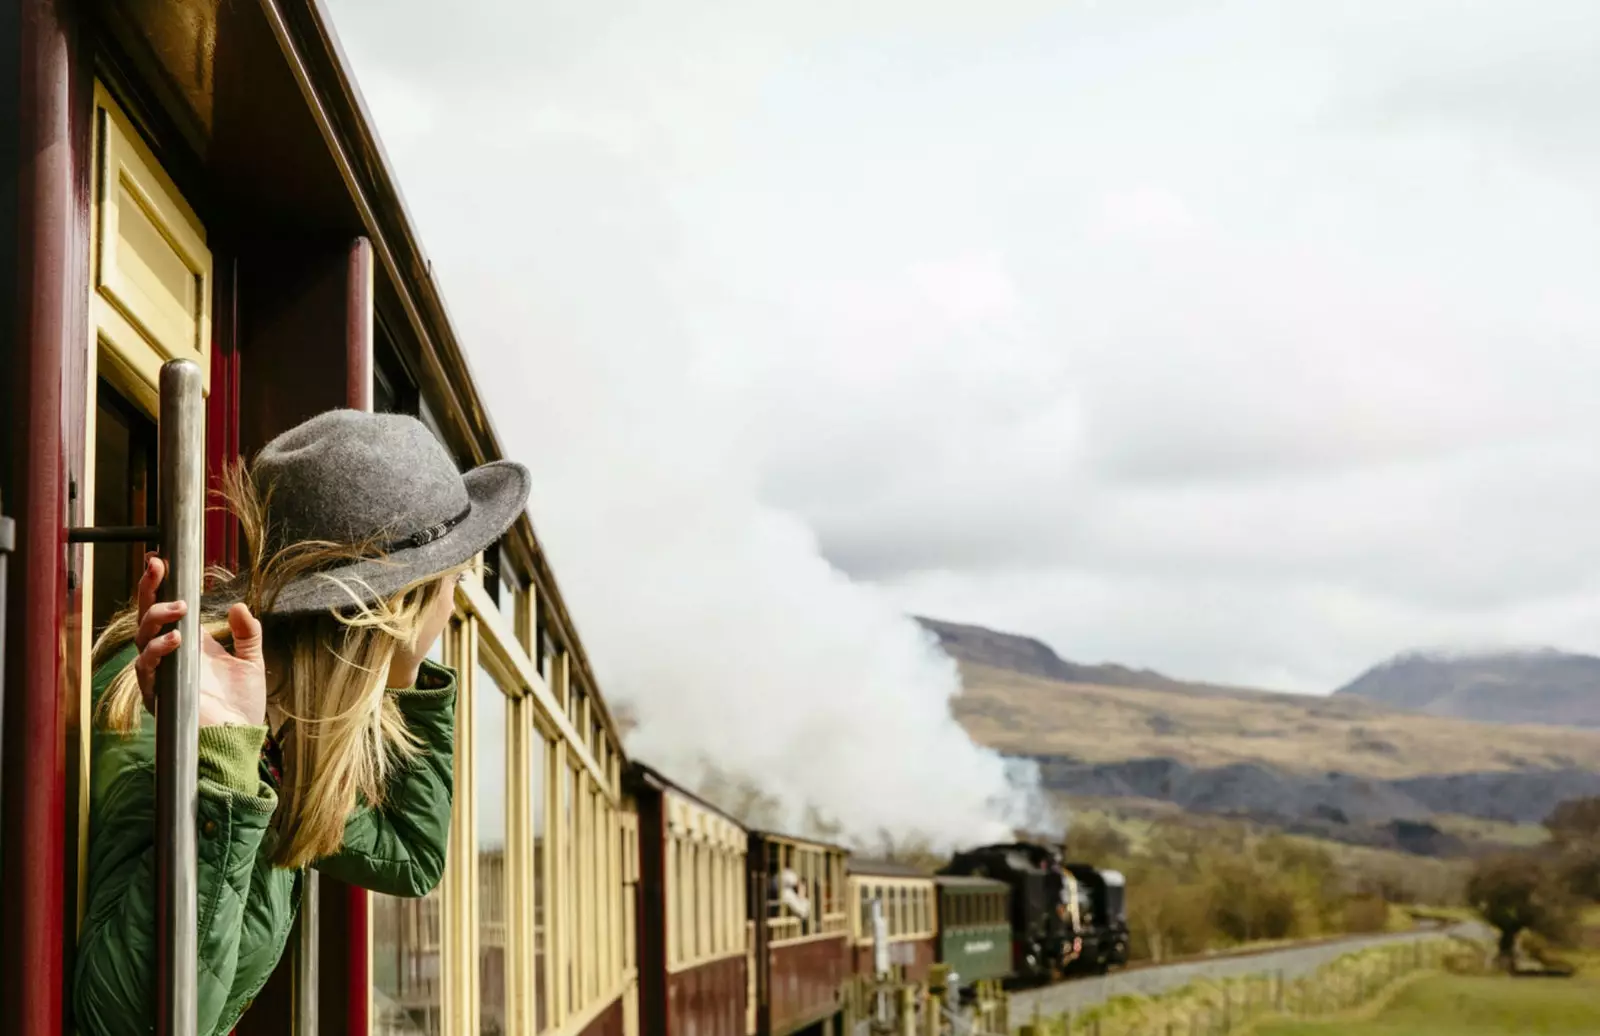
233	687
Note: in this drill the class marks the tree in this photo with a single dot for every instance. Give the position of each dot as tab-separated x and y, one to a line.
1574	829
1521	892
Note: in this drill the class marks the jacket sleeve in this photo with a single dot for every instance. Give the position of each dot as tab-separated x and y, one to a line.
114	984
399	849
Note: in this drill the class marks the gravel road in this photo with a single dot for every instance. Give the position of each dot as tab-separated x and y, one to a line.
1293	961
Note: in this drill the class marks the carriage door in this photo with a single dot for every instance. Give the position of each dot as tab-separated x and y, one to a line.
149	302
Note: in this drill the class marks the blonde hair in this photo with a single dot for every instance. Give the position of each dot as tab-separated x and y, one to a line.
345	735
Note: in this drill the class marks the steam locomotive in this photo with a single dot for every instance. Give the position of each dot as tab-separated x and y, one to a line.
1066	918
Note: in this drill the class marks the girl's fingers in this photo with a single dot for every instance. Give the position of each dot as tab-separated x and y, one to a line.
155	570
155	617
152	654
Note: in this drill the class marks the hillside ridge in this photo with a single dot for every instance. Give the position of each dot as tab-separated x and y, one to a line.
1535	685
1018	653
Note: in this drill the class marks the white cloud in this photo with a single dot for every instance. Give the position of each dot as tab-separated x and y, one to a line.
1244	340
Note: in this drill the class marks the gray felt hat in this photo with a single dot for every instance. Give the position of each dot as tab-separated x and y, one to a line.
352	477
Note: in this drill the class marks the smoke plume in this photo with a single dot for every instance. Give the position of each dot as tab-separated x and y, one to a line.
544	188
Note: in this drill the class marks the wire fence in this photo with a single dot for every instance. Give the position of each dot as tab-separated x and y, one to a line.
1236	1005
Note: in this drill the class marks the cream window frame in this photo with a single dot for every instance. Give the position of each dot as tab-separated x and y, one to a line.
706	859
584	907
907	906
830	911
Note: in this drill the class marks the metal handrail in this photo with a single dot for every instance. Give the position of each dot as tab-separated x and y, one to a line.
8	543
181	486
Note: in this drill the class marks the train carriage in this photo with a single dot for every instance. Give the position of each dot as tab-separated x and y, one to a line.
905	899
801	947
694	932
974	928
199	180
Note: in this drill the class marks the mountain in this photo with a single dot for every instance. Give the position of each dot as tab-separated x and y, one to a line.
1019	654
1347	766
1545	686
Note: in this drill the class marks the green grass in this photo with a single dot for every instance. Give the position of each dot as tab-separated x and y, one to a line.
1492	832
1458	1005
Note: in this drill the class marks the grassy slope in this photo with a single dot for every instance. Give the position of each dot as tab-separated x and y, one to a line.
1021	713
1455	1005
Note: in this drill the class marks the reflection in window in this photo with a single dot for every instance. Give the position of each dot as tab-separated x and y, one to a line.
569	836
538	752
405	966
489	728
406	972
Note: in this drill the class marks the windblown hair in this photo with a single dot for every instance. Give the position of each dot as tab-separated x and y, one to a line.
342	735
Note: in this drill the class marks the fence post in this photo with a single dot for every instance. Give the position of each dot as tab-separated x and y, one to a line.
906	1007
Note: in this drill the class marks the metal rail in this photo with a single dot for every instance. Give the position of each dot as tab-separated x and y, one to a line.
8	543
181	475
114	534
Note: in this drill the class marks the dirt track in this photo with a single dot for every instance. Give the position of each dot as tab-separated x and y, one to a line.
1293	961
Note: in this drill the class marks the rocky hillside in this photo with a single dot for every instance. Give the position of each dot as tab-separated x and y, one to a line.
1509	687
1342	766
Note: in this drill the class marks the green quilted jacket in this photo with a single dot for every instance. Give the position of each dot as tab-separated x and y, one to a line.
246	904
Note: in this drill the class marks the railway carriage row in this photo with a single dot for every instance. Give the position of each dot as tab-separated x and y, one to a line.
199	180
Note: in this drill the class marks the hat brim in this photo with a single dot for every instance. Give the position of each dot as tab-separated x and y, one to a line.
498	492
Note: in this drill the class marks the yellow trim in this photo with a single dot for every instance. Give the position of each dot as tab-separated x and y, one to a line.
800	940
579	1020
131	307
477	600
701	962
910	918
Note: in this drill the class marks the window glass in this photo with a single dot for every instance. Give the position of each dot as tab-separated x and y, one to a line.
406	991
489	728
538	771
124	494
568	913
405	966
719	893
676	900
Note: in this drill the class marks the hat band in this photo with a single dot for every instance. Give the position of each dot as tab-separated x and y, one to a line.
425	536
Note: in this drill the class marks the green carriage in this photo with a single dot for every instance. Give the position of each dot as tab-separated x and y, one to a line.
974	928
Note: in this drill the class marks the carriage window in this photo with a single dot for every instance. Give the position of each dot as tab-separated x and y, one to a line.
393	391
406	991
489	727
569	912
124	494
538	772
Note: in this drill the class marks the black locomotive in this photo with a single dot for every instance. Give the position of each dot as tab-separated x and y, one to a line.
1066	918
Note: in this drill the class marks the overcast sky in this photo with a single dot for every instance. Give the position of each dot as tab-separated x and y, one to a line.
1248	341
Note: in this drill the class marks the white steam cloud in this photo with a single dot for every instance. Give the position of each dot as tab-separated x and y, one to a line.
740	651
549	156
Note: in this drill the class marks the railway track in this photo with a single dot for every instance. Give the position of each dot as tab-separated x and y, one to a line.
1292	962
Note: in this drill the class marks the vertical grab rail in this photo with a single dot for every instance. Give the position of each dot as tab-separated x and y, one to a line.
8	543
182	511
